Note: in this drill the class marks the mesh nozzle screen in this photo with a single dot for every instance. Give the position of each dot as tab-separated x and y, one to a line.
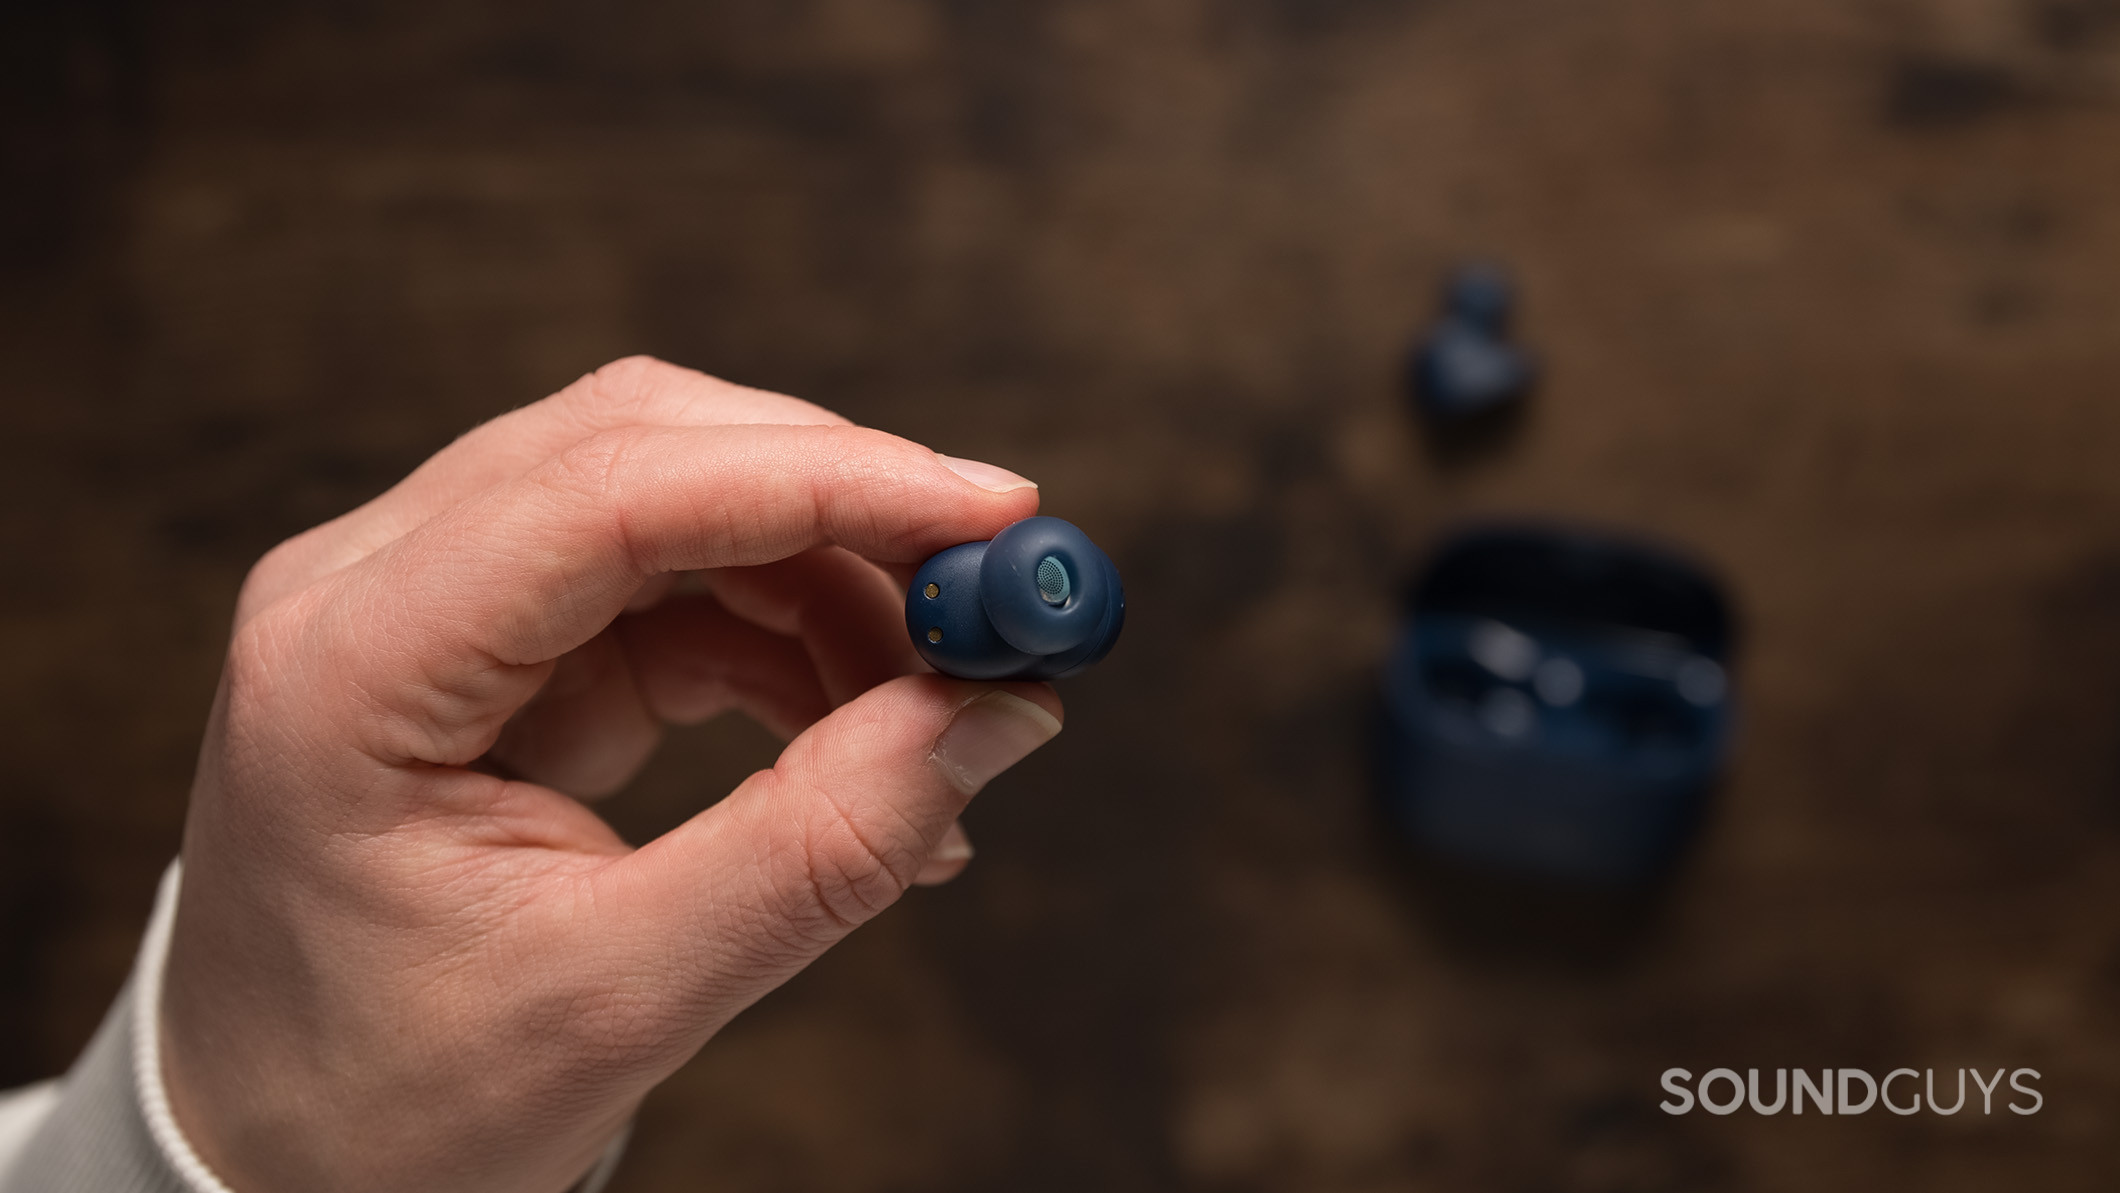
1053	583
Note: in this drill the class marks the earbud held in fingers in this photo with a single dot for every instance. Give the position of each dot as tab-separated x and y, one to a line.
1038	601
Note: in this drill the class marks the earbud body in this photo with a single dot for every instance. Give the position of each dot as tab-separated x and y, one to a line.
1037	601
1459	371
1465	366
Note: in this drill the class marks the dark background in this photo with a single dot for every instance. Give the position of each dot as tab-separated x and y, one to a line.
1828	292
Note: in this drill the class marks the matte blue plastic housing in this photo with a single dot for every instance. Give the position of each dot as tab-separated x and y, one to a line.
1038	601
1482	296
1559	704
1465	365
1460	371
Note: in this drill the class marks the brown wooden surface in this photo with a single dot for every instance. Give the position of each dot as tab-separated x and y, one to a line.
1829	292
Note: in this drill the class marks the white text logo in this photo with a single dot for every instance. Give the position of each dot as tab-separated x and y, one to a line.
1845	1091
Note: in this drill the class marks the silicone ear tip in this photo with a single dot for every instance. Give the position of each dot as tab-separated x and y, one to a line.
1092	651
1029	565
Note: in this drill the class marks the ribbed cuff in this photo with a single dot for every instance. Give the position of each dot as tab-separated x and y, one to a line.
108	1128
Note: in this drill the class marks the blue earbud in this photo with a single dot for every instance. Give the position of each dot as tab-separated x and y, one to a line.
1039	601
1465	365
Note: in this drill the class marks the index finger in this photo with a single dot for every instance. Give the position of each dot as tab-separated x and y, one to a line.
447	631
636	391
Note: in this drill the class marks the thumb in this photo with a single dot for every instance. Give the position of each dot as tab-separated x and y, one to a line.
736	900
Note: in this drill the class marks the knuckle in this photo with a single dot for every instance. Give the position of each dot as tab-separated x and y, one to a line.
627	380
851	871
647	390
593	474
258	665
600	508
637	388
874	484
278	561
595	467
611	1031
276	573
250	655
613	392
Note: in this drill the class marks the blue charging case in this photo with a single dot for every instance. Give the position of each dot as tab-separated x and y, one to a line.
1559	703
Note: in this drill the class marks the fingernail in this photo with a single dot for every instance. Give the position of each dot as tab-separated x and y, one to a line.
948	860
991	734
954	846
987	476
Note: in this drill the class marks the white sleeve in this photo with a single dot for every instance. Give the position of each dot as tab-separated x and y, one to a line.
106	1126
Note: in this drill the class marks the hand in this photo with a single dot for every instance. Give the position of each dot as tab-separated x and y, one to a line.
406	955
